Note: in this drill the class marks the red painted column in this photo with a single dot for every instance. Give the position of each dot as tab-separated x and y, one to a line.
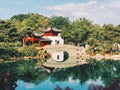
33	42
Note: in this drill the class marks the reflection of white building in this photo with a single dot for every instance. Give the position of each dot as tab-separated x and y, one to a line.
58	56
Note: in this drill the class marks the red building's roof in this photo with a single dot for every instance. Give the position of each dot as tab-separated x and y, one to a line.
46	32
35	34
53	29
38	35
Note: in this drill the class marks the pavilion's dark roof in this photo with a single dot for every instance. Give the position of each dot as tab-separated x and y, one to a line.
37	34
54	29
45	39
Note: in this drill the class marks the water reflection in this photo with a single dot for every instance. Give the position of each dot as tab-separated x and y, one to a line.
59	88
114	86
7	81
95	87
103	74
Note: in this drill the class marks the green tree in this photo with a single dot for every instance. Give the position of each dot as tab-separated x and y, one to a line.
67	34
59	21
78	31
8	32
29	23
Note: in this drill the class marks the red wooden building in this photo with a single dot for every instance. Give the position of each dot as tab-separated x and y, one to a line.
51	32
49	36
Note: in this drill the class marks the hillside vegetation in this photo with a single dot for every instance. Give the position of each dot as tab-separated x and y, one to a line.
79	32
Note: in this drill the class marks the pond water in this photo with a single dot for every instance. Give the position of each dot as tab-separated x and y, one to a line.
23	76
48	85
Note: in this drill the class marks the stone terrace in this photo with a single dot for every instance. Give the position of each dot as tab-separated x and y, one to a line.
76	56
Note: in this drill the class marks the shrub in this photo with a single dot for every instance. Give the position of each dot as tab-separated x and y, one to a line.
29	51
7	52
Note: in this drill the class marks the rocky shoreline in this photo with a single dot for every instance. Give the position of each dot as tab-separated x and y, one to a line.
106	56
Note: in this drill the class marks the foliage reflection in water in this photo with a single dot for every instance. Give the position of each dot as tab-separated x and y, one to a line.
23	75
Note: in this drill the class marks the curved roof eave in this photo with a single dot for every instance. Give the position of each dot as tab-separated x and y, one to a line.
38	35
54	29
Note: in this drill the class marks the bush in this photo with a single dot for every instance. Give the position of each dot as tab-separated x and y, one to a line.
43	54
4	57
29	51
91	61
15	44
7	52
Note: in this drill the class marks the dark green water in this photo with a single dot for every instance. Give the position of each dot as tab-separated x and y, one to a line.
23	75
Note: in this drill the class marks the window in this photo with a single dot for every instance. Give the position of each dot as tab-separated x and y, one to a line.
56	41
58	56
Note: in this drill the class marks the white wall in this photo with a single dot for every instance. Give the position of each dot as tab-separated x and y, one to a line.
54	39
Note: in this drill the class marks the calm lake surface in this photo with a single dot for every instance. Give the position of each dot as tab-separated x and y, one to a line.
23	75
